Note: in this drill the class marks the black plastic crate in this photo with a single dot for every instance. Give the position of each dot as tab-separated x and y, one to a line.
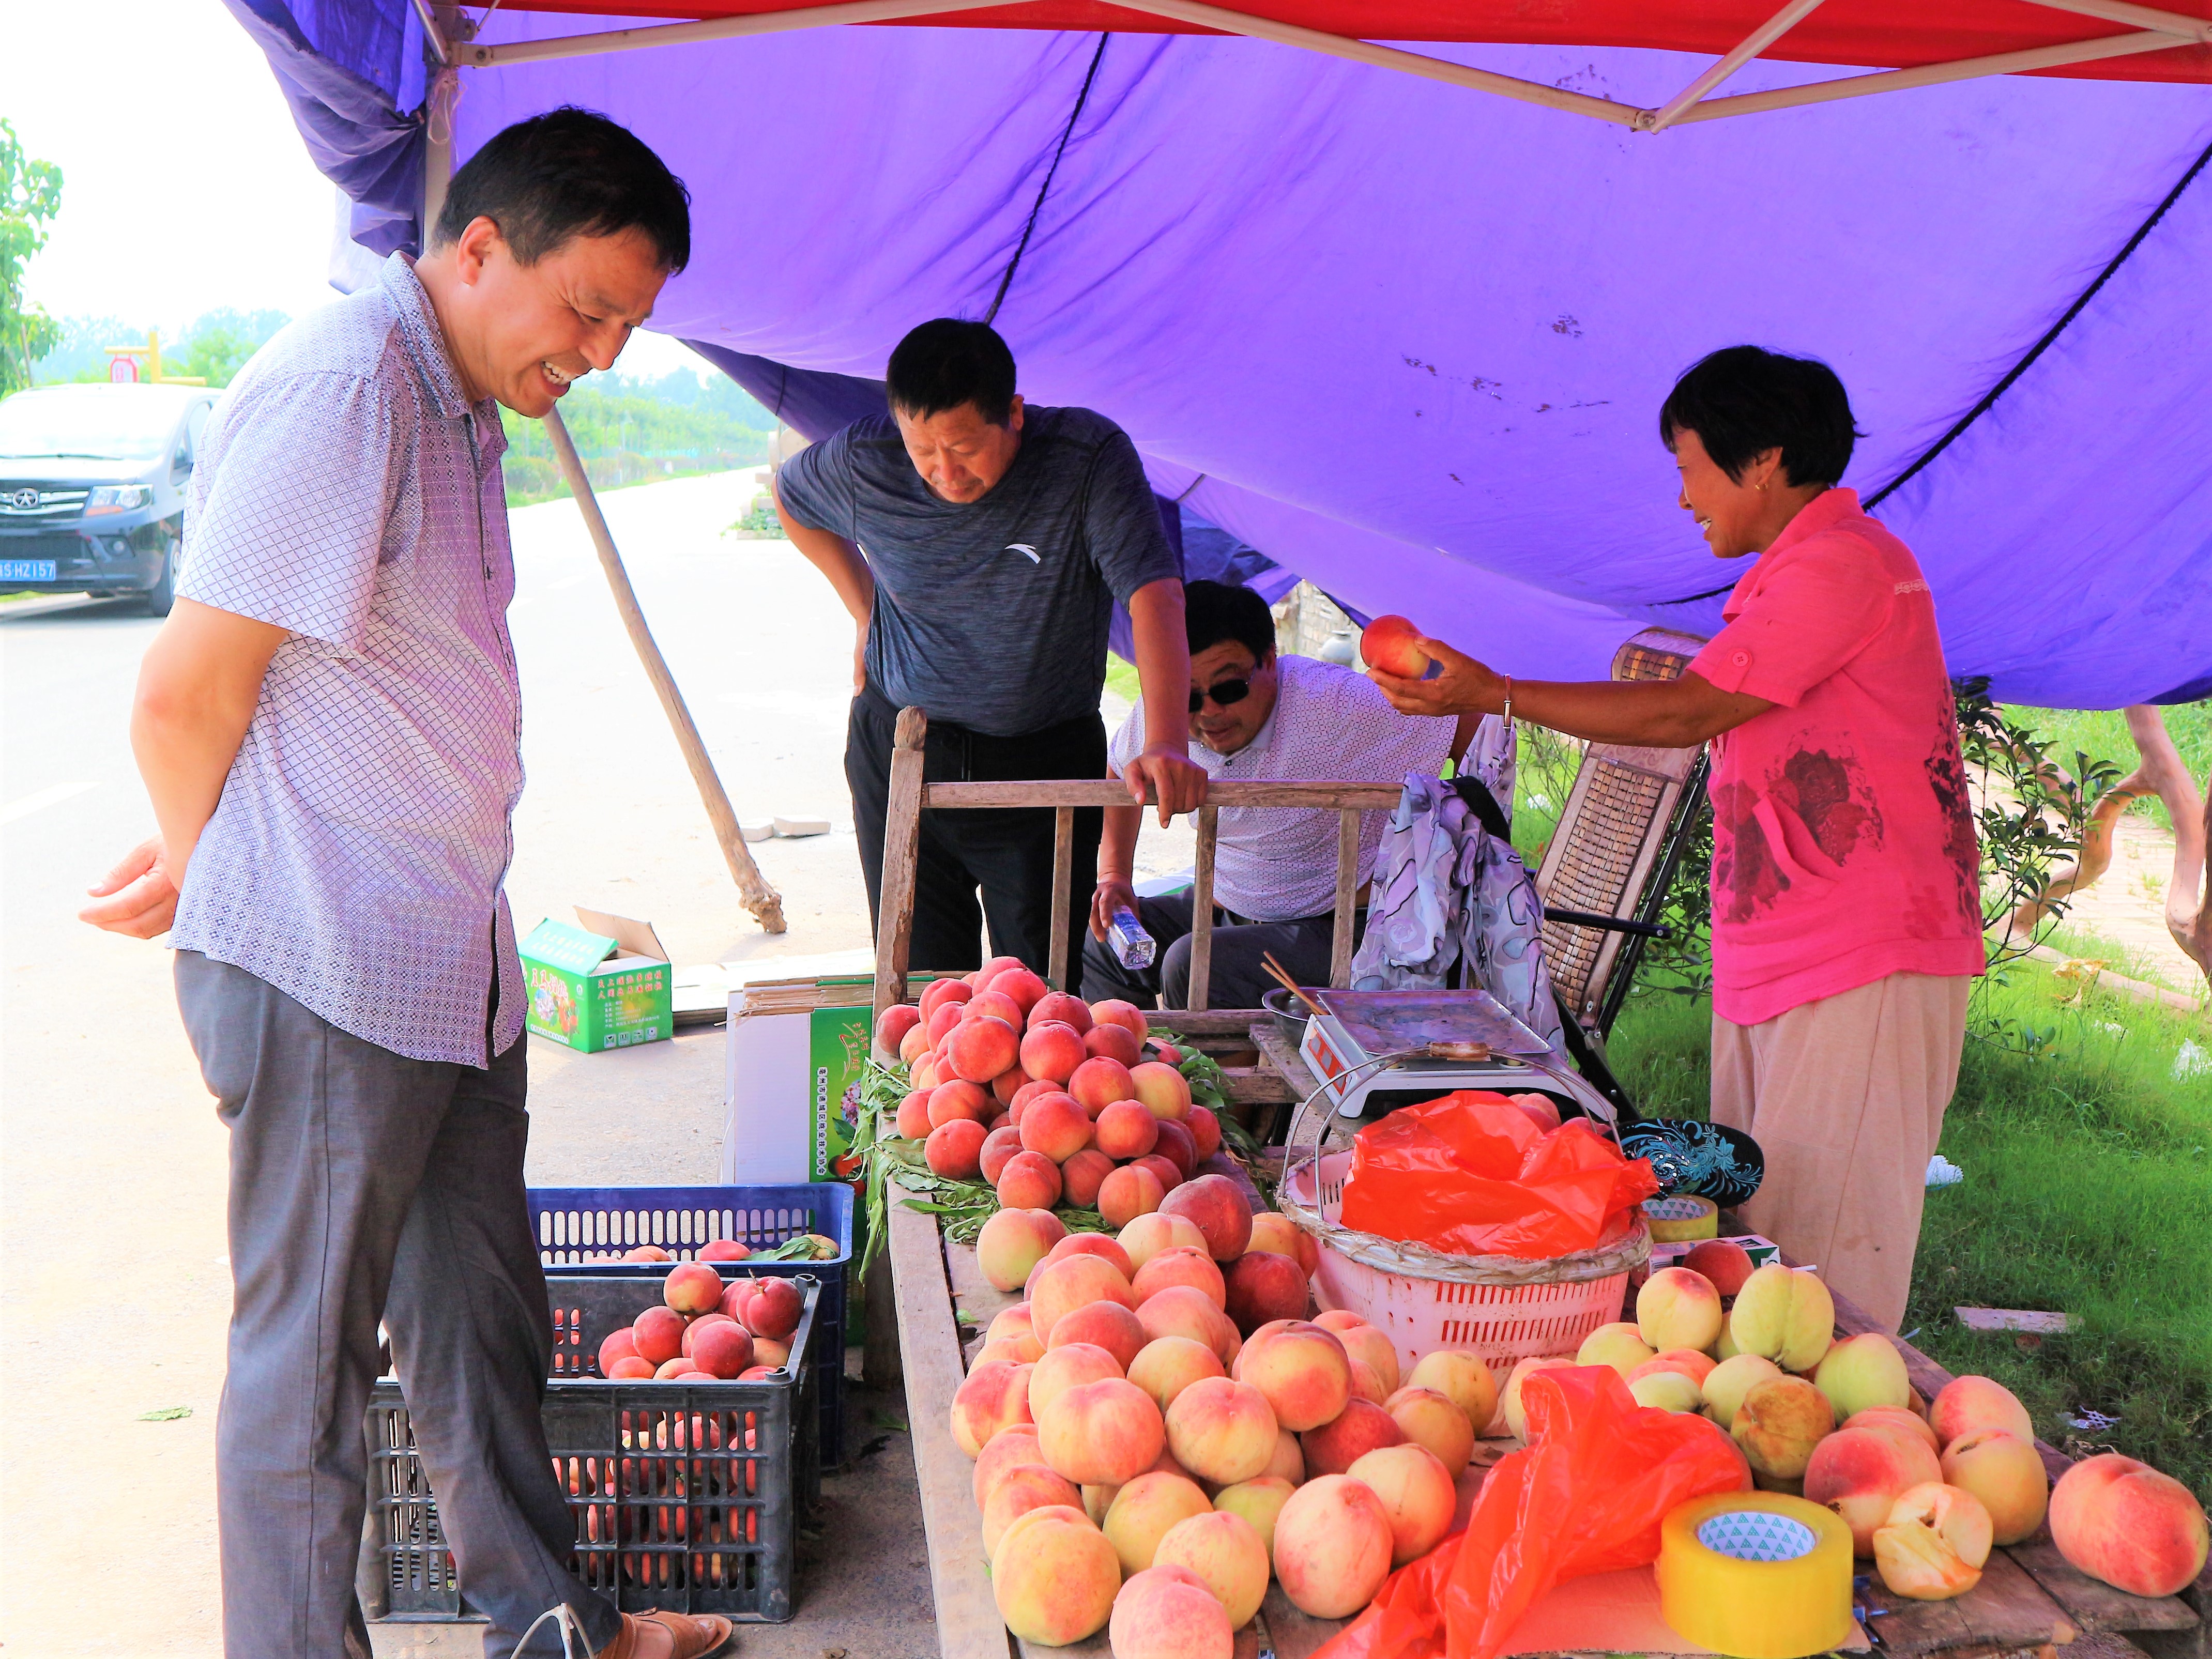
584	1229
686	1495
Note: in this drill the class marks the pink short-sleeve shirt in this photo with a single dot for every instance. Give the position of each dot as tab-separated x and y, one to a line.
1844	844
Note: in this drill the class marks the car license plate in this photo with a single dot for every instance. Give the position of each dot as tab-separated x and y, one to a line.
26	570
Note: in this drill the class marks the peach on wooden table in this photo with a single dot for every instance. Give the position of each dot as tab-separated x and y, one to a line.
1028	1180
1620	1345
1333	1546
1054	1576
1081	1177
1262	1286
1678	1309
1098	1082
1058	1287
991	1398
1967	1403
1052	1051
1142	1511
1185	1310
1181	1265
1779	1424
2123	1522
1899	1421
1165	1367
1782	1314
1277	1233
2006	1473
1721	1260
1417	1493
1727	1383
1862	1373
1227	1550
1510	1405
1164	1614
1216	1205
1302	1369
1463	1377
1129	1193
1024	1487
1145	1234
1259	1500
1860	1474
1057	1005
999	1145
1221	1430
955	1149
1067	1367
1107	1325
1363	1342
1107	1248
1102	1434
1361	1427
1113	1011
1007	1450
1933	1544
1013	1242
1164	1091
1112	1042
1430	1420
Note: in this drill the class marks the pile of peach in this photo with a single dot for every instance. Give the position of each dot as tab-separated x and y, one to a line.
1927	1487
1158	1431
706	1332
1046	1096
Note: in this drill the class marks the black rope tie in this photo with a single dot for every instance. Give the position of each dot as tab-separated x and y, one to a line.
1043	190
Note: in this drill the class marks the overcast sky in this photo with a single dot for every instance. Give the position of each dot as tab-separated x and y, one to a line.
185	186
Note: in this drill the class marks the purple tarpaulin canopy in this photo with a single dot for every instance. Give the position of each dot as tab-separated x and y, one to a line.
1410	342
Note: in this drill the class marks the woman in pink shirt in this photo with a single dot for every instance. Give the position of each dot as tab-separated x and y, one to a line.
1847	924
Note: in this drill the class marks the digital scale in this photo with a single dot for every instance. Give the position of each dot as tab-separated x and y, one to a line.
1375	1051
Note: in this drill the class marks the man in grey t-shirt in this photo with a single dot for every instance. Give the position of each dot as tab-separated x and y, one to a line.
979	546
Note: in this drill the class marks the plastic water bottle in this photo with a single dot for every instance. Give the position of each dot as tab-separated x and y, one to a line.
1133	947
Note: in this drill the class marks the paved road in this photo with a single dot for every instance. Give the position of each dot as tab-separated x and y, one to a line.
113	1281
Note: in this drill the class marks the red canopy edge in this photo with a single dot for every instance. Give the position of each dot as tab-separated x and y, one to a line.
1875	34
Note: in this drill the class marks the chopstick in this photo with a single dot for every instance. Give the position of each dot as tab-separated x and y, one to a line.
1281	976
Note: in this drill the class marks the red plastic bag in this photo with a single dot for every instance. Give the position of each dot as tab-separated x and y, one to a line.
1471	1173
1586	1495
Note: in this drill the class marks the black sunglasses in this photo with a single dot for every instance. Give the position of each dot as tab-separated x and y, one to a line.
1223	694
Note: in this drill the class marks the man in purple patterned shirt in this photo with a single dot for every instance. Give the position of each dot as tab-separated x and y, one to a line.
330	727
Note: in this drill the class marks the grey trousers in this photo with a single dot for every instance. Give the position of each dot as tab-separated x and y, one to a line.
366	1185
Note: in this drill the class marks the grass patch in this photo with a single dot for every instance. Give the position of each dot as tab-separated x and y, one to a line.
2102	734
2088	1191
1121	679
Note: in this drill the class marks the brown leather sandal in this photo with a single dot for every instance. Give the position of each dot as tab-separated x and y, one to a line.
692	1636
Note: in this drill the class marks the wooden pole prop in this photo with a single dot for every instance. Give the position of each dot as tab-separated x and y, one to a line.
753	890
902	856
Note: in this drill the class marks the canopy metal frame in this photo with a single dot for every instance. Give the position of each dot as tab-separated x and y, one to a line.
2149	29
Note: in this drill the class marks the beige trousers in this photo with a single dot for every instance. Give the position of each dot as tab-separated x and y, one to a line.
1845	1097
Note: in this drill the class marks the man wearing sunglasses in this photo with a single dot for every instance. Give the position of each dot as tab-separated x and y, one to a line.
1254	714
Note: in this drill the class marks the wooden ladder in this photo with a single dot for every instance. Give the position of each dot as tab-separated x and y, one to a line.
910	797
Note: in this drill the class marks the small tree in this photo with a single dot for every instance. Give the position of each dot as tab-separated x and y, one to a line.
30	196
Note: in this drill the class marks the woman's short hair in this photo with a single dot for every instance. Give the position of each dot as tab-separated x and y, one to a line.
1214	612
1742	401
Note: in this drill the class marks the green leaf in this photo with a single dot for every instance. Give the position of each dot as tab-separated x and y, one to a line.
166	1414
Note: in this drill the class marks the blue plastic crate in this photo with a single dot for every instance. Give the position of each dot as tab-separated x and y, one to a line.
585	1230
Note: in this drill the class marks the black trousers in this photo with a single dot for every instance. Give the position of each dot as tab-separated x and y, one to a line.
1005	855
1238	978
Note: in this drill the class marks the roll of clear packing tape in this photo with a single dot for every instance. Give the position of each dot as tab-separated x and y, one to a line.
1681	1217
1757	1575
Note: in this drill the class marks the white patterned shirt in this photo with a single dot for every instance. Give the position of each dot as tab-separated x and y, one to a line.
1328	725
349	492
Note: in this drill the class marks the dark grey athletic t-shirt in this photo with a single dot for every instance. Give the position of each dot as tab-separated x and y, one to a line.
993	613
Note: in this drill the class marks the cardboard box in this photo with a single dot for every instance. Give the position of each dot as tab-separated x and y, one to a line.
797	1051
606	984
1760	1250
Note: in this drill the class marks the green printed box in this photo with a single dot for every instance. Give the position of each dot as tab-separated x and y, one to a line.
606	984
837	1054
